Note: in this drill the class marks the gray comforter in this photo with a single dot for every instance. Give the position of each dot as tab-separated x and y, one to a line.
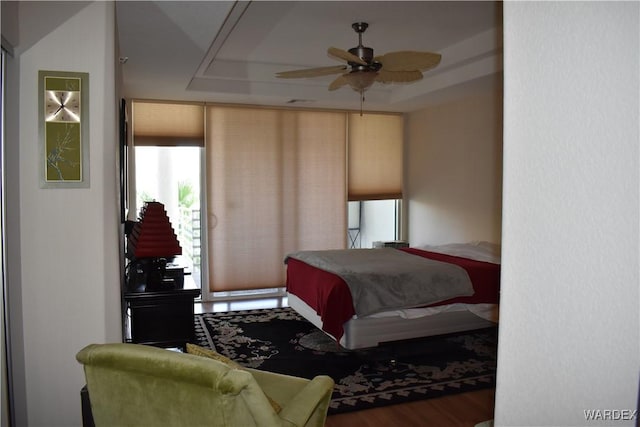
386	279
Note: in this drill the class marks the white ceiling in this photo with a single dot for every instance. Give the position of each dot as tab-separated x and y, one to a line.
226	51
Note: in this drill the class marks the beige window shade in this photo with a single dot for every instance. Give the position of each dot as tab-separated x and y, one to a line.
375	156
167	124
275	184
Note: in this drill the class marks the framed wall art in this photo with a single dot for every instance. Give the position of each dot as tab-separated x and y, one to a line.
63	123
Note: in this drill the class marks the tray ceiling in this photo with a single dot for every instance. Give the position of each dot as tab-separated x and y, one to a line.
223	51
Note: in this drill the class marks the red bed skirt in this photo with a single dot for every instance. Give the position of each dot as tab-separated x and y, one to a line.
330	297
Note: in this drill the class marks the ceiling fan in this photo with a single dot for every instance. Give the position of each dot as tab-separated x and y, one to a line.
363	69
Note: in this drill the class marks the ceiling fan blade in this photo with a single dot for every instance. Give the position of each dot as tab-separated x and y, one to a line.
346	56
408	60
386	76
311	72
338	82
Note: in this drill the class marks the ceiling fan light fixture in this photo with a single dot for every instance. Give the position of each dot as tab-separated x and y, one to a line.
403	66
361	80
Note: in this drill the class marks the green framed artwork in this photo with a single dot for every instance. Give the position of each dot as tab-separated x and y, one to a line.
64	129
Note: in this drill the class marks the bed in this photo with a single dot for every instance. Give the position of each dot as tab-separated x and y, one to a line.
323	292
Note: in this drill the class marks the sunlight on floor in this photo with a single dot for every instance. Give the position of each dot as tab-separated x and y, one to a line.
251	304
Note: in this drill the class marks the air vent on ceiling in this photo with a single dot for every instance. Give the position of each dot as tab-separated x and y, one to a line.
299	101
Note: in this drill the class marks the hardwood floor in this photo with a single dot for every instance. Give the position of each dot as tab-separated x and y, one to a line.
460	410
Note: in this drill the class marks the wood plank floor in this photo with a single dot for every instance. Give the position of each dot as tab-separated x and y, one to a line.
460	410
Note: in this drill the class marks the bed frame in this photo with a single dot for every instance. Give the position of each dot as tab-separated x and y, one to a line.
371	331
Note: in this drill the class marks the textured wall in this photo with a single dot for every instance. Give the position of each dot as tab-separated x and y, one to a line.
68	245
569	304
454	171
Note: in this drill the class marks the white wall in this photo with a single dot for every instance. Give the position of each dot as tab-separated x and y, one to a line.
9	32
67	289
569	315
13	297
453	167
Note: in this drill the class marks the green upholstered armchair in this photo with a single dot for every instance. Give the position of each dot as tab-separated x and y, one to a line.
132	384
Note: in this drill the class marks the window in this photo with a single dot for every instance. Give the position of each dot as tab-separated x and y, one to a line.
373	220
274	181
169	138
375	178
171	176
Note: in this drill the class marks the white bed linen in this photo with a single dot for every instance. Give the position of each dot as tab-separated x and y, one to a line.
369	331
486	311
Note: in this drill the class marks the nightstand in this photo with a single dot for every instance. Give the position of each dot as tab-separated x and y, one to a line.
163	317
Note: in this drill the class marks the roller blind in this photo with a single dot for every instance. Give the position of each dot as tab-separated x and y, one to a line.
375	156
167	123
275	184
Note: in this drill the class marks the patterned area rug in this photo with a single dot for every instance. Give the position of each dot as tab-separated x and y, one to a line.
280	340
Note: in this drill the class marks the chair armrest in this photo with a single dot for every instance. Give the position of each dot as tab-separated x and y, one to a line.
281	388
301	407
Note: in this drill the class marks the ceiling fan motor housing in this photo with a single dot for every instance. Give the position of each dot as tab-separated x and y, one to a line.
366	54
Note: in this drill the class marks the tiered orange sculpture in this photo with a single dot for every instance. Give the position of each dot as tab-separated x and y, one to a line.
153	236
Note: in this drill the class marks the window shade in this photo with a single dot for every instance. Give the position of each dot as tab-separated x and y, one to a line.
167	124
375	157
275	184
